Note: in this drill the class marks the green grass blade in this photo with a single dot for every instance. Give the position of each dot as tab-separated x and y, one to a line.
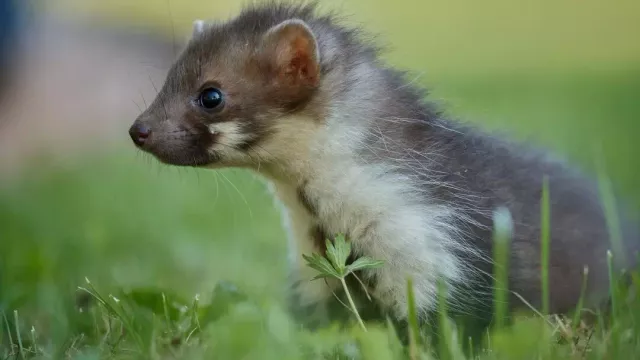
613	289
18	335
503	228
445	330
576	317
412	319
545	221
614	334
195	306
609	204
34	339
6	323
165	308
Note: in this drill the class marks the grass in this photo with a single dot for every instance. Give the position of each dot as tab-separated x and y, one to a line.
183	264
544	241
126	322
145	233
502	237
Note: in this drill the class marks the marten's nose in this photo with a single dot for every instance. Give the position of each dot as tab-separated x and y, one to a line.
139	133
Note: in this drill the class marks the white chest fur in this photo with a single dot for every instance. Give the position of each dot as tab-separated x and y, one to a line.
385	218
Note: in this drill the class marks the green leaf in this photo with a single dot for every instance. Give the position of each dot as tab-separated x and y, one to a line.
330	254
321	264
338	253
364	263
322	276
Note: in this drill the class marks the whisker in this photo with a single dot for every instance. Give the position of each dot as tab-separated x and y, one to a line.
143	99
137	105
239	193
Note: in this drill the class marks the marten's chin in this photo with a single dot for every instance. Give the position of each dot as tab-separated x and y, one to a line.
192	158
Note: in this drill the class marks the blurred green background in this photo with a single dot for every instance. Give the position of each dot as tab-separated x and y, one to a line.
563	73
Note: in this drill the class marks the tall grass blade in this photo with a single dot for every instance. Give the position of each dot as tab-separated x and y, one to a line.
449	347
18	335
502	232
609	204
6	323
614	336
165	308
613	289
576	317
445	334
33	339
545	221
412	319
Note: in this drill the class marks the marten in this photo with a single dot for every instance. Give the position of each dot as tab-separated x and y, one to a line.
350	146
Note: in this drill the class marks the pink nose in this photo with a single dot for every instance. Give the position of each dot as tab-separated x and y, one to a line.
139	133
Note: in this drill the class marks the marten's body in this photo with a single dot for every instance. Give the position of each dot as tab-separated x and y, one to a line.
352	148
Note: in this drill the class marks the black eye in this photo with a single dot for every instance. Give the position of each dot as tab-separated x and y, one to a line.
210	98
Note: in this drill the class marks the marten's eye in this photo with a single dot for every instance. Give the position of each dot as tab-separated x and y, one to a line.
210	98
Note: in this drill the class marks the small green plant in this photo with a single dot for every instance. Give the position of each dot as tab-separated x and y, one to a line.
334	265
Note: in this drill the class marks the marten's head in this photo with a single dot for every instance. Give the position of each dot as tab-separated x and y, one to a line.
235	93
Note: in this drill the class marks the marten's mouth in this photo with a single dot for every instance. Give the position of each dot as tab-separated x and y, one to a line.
181	154
183	147
186	159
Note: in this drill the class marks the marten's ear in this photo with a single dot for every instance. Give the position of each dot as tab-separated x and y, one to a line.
292	49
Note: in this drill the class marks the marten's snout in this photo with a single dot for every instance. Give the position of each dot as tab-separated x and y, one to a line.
139	133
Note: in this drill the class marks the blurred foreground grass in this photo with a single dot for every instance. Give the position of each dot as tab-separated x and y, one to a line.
125	221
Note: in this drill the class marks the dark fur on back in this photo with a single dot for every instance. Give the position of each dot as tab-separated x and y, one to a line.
496	173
